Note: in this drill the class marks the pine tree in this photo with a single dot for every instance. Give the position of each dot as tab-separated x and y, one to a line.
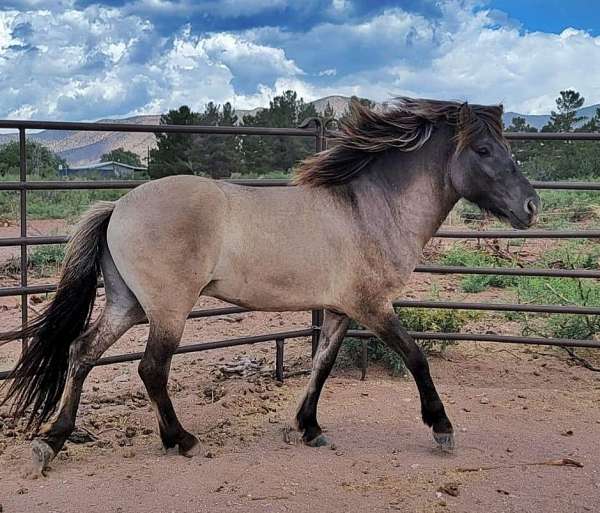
519	124
217	156
565	119
278	153
522	150
170	157
328	112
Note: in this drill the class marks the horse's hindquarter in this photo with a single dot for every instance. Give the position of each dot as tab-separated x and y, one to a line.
165	238
282	249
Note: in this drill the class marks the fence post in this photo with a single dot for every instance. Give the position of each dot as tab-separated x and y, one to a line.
317	315
23	224
364	359
320	145
279	359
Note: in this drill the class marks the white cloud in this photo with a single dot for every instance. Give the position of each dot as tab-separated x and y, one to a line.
221	8
465	54
99	61
329	72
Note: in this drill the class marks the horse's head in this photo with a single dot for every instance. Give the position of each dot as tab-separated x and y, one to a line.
483	171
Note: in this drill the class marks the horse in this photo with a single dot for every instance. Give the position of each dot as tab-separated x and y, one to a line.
345	239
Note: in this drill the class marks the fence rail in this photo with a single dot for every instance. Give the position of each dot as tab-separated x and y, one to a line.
320	134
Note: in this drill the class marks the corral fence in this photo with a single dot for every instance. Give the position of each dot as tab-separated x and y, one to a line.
313	128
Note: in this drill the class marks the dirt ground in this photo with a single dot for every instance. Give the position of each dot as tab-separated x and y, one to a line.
518	412
527	423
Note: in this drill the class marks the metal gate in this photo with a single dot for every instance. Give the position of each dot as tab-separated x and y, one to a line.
315	129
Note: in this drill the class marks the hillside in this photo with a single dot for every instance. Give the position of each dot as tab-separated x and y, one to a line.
79	147
539	120
82	147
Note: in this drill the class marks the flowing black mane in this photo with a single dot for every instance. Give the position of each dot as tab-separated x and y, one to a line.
407	127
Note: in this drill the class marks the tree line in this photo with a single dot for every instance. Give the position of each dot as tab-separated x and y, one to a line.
221	156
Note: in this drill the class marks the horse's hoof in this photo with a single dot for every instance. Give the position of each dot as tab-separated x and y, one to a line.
318	441
445	441
189	447
41	456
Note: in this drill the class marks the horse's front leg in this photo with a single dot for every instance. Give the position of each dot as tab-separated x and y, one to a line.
387	327
332	334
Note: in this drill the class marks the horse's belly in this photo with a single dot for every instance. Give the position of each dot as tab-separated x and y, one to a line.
268	291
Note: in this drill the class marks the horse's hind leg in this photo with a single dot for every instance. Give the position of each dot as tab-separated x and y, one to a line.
154	371
121	312
332	334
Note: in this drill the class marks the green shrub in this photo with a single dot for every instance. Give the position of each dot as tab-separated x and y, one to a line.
42	260
472	283
563	291
560	208
574	254
413	319
53	204
560	291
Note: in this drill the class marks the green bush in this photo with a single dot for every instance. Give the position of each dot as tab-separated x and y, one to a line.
53	204
560	208
41	260
560	291
563	291
413	319
472	283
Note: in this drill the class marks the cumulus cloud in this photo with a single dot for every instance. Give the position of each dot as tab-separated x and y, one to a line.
466	53
97	62
61	61
224	8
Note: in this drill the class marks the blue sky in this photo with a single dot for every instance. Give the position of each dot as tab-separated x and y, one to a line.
86	59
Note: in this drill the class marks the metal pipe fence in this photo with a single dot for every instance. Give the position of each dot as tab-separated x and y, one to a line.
320	135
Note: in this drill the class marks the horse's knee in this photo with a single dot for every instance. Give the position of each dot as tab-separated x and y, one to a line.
150	374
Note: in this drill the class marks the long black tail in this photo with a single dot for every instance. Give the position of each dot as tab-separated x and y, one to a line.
39	377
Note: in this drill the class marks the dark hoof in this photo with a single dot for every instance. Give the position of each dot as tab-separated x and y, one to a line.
445	441
189	446
41	456
292	436
318	441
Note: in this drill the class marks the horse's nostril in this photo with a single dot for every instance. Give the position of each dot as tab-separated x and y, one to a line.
531	207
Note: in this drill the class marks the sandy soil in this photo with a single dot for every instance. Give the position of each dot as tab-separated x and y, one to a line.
514	409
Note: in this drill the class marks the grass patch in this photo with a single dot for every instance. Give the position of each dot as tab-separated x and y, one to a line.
563	291
560	209
41	261
53	204
472	283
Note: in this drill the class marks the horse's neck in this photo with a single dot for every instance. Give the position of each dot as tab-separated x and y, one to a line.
408	192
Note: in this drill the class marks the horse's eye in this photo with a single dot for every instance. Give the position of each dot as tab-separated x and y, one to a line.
482	152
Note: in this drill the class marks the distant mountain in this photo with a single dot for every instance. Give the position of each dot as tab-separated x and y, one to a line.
82	147
539	120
